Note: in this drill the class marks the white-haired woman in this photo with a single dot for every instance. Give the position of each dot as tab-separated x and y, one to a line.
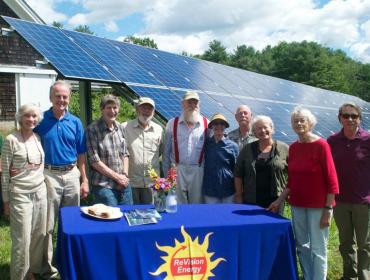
24	194
261	168
312	185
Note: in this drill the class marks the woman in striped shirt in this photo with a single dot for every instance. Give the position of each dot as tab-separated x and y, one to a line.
24	194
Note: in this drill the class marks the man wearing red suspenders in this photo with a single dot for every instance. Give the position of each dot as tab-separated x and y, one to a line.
184	147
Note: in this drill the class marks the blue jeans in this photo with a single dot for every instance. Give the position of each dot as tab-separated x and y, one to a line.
112	197
311	242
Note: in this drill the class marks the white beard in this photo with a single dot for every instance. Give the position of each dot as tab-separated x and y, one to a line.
191	116
145	120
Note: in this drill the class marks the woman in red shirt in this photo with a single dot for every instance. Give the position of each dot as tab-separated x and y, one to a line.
312	185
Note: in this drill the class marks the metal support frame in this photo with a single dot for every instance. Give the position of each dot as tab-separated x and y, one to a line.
85	102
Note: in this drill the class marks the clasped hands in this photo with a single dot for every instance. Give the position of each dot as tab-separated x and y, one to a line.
123	181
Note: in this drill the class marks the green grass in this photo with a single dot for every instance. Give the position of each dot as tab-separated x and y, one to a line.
334	263
334	259
4	249
335	268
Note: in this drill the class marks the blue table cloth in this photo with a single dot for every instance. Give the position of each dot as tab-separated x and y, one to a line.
225	241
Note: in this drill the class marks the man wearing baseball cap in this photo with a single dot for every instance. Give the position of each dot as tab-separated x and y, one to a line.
184	148
144	140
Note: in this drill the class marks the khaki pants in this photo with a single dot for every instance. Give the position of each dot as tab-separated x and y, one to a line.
189	184
28	228
63	188
353	225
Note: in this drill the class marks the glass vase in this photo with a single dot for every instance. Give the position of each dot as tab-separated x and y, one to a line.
171	202
160	201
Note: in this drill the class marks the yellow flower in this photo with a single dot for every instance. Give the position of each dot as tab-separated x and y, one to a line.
152	174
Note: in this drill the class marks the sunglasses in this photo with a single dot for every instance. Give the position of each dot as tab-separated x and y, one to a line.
352	116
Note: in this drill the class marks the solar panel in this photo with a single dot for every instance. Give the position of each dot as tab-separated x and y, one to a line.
68	58
127	63
149	61
189	69
165	77
167	103
112	58
144	73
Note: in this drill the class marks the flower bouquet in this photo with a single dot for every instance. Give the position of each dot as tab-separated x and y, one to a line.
162	186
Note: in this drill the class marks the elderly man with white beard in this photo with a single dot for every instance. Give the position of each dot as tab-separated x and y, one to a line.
144	140
184	148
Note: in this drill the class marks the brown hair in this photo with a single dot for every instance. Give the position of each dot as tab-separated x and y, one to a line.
353	105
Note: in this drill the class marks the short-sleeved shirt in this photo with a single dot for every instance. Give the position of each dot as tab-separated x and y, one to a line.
220	158
190	143
352	162
62	139
144	147
107	146
235	136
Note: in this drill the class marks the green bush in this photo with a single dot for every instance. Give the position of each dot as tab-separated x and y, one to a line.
127	111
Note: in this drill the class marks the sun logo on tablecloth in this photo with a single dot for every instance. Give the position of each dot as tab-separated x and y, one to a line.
188	259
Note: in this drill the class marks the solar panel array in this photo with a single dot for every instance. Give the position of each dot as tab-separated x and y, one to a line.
64	55
165	77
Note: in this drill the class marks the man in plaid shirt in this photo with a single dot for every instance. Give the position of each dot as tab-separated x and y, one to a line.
108	156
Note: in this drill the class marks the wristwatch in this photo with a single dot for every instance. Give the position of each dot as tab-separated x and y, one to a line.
328	207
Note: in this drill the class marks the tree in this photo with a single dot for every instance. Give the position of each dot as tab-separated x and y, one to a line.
57	24
264	61
84	29
146	41
244	57
216	53
362	82
303	62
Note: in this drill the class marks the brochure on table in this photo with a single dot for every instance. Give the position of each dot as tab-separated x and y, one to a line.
142	216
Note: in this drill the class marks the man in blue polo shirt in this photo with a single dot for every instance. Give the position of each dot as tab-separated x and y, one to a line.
63	139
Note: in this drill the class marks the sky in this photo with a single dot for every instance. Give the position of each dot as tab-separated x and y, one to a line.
190	25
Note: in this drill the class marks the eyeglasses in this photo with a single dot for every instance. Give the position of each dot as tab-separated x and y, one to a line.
30	164
352	116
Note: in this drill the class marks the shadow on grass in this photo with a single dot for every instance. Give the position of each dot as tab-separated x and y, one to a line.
4	222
